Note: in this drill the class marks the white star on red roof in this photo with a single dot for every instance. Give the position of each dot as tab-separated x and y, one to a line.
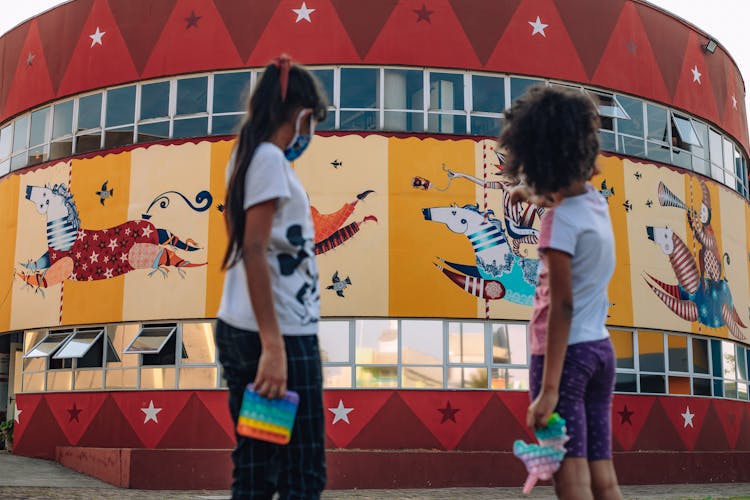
96	38
303	13
696	75
539	27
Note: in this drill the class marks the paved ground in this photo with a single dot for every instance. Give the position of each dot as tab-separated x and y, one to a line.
26	478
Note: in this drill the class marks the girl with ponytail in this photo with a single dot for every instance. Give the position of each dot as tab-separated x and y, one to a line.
268	318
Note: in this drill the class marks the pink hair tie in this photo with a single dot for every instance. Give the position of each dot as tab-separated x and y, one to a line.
283	63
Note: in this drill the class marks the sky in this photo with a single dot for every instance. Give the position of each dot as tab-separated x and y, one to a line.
725	20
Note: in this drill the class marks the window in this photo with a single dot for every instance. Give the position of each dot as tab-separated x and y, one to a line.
89	112
422	342
120	106
333	337
62	130
229	92
509	344
686	134
325	77
716	155
154	100
359	90
156	343
193	127
651	359
152	132
622	341
192	95
632	124
199	344
404	92
609	109
466	342
79	344
6	143
700	154
518	86
488	94
446	95
48	345
376	341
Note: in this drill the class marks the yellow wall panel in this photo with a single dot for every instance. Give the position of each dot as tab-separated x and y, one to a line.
217	233
86	302
9	196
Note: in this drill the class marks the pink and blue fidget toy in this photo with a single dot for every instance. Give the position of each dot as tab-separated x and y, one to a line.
267	419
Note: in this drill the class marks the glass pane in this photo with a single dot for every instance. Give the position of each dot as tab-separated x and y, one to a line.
376	341
38	133
446	124
466	342
118	137
37	155
229	91
622	341
653	384
718	388
509	344
700	165
634	109
701	129
89	142
358	120
359	88
715	148
325	77
679	385
120	106
151	339
19	161
422	342
61	149
329	123
403	89
729	362
121	379
62	119
608	105
728	154
626	382
158	378
422	377
742	392
198	342
6	141
87	380
337	377
685	130
226	125
198	378
678	355
700	356
333	337
20	134
741	363
153	132
154	100
59	364
90	112
486	125
467	378
488	93
192	95
716	364
657	123
120	337
681	158
607	141
194	127
658	152
399	121
446	91
701	386
34	364
519	85
511	379
33	382
730	389
377	376
650	352
79	344
4	167
48	346
59	380
631	146
32	338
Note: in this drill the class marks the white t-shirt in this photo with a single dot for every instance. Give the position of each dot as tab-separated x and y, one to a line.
579	226
291	250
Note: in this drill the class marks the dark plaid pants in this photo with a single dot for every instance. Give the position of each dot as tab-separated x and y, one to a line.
297	470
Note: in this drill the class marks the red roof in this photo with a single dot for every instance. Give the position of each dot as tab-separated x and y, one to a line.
625	45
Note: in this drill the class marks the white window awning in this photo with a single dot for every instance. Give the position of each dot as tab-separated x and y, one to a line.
79	343
49	344
151	339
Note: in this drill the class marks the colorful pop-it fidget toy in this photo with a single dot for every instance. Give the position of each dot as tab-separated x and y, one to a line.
267	419
542	460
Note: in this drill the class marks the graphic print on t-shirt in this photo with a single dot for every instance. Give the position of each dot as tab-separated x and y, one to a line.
307	294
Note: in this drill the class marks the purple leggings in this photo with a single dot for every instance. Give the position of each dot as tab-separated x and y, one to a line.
586	386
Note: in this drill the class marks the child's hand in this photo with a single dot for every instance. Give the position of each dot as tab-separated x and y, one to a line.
270	380
541	409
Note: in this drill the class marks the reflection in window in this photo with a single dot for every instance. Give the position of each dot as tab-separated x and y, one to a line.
488	94
61	149
198	342
192	95
651	352
377	376
359	88
634	109
337	377
358	120
6	141
701	386
700	356
20	134
653	384
88	142
49	345
622	341
224	125
198	378
657	152
467	378
154	100
121	336
229	91
82	345
153	132
403	89
466	342
192	127
509	344
117	137
446	91
86	380
630	146
333	337
729	360
404	121
657	123
376	341
89	112
446	124
512	379
741	361
59	380
38	132
121	379
158	378
678	354
679	385
422	342
486	125
715	148
626	382
120	106
422	377
519	85
325	77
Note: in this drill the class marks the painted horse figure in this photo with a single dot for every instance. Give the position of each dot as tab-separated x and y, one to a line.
694	298
495	262
79	254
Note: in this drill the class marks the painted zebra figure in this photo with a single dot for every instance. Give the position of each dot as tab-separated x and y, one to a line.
79	254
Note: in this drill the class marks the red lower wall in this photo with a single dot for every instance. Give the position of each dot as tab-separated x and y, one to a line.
422	432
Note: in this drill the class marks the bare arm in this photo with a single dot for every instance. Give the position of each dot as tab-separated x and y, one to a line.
271	378
558	333
475	180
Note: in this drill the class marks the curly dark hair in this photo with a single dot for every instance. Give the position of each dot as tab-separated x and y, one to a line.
551	138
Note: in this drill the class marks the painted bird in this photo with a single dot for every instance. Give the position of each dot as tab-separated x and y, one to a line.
339	285
605	191
105	193
637	176
336	163
628	206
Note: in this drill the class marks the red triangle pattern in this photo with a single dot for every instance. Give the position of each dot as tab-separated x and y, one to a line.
198	44
32	83
98	65
379	419
695	89
363	21
308	41
246	21
717	71
473	16
521	51
10	51
628	63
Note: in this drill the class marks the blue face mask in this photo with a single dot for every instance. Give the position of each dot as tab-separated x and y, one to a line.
300	142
